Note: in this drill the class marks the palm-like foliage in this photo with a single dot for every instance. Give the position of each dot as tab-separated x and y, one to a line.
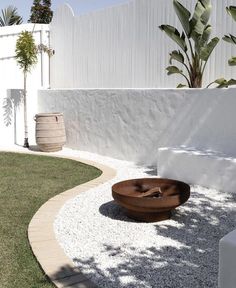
194	42
222	82
230	38
10	17
26	51
26	57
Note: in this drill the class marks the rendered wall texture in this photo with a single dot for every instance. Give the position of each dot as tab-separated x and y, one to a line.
132	124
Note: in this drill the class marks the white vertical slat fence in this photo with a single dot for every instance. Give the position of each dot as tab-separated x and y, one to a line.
122	47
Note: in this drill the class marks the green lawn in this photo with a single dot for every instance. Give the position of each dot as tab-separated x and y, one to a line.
27	182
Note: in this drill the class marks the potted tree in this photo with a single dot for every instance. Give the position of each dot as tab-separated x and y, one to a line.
50	129
26	57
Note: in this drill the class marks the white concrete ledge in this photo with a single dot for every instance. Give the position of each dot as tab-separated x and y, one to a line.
205	168
212	170
227	263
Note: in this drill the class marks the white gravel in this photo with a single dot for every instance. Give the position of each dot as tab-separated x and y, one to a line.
115	251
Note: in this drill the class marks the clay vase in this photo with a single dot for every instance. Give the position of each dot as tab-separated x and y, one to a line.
50	131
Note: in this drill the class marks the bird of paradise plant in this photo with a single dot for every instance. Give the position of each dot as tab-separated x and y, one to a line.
194	42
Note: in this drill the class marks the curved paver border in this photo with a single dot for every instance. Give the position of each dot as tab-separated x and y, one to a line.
59	268
50	255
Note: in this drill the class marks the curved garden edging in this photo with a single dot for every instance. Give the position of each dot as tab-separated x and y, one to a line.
51	257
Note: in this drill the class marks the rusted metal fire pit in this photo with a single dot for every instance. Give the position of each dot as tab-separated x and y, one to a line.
150	199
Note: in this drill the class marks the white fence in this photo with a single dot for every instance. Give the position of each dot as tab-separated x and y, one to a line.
122	46
11	120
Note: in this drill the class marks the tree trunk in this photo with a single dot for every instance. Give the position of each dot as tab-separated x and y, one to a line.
196	73
26	143
197	82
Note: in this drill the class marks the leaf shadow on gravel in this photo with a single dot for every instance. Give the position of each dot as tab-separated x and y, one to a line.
202	222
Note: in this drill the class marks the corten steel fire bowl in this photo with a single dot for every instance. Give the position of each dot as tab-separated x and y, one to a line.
150	199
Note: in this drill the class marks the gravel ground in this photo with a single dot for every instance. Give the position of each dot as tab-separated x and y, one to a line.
115	251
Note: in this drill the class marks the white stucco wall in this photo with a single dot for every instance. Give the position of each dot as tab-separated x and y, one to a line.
132	124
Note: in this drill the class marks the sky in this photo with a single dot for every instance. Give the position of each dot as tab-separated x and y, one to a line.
79	6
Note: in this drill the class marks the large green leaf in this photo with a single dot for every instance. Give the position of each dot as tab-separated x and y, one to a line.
173	70
205	3
176	55
207	13
181	86
231	82
230	39
223	83
203	40
195	23
232	61
220	81
232	11
206	35
174	34
206	51
200	18
183	15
